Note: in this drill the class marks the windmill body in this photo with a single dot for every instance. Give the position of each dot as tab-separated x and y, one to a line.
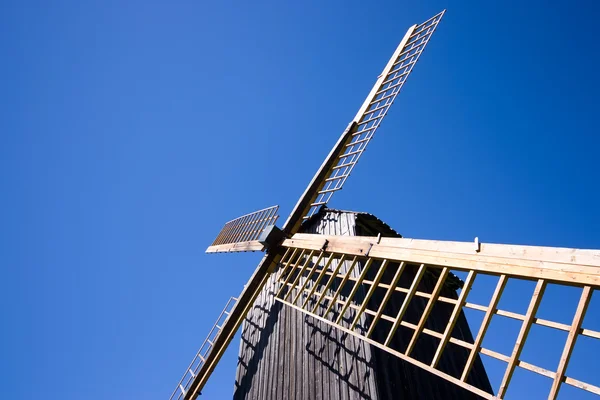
341	306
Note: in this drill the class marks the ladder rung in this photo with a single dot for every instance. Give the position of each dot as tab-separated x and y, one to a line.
333	178
359	141
363	131
192	373
201	358
370	119
211	343
182	389
343	165
218	327
329	190
226	312
351	153
320	203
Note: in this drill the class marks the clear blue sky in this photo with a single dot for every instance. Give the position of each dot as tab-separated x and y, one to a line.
132	130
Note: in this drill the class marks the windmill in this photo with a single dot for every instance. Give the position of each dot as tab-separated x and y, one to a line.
393	305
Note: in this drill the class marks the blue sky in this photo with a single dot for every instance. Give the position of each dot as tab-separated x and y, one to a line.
131	131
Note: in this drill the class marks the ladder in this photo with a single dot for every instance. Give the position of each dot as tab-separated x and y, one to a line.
200	357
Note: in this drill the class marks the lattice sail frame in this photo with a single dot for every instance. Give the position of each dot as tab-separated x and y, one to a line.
311	282
375	108
242	233
199	359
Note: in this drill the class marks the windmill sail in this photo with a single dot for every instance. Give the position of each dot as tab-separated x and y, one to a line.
243	233
341	161
310	291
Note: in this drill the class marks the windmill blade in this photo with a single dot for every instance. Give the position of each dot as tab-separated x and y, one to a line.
343	158
349	302
244	233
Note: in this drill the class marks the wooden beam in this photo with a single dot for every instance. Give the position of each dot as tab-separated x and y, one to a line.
566	266
253	245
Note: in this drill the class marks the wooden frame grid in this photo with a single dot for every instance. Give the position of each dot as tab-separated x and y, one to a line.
318	295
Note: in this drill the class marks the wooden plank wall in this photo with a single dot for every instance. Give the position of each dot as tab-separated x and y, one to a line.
285	354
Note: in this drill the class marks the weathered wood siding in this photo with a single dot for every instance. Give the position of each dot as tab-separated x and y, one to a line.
285	354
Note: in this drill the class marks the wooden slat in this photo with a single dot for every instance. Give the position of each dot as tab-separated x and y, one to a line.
329	283
536	369
484	326
571	339
308	276
341	286
551	324
386	299
495	355
536	298
430	303
582	385
590	333
308	260
355	289
320	277
365	301
291	271
453	318
405	303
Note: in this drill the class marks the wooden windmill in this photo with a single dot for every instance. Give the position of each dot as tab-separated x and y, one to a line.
341	306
